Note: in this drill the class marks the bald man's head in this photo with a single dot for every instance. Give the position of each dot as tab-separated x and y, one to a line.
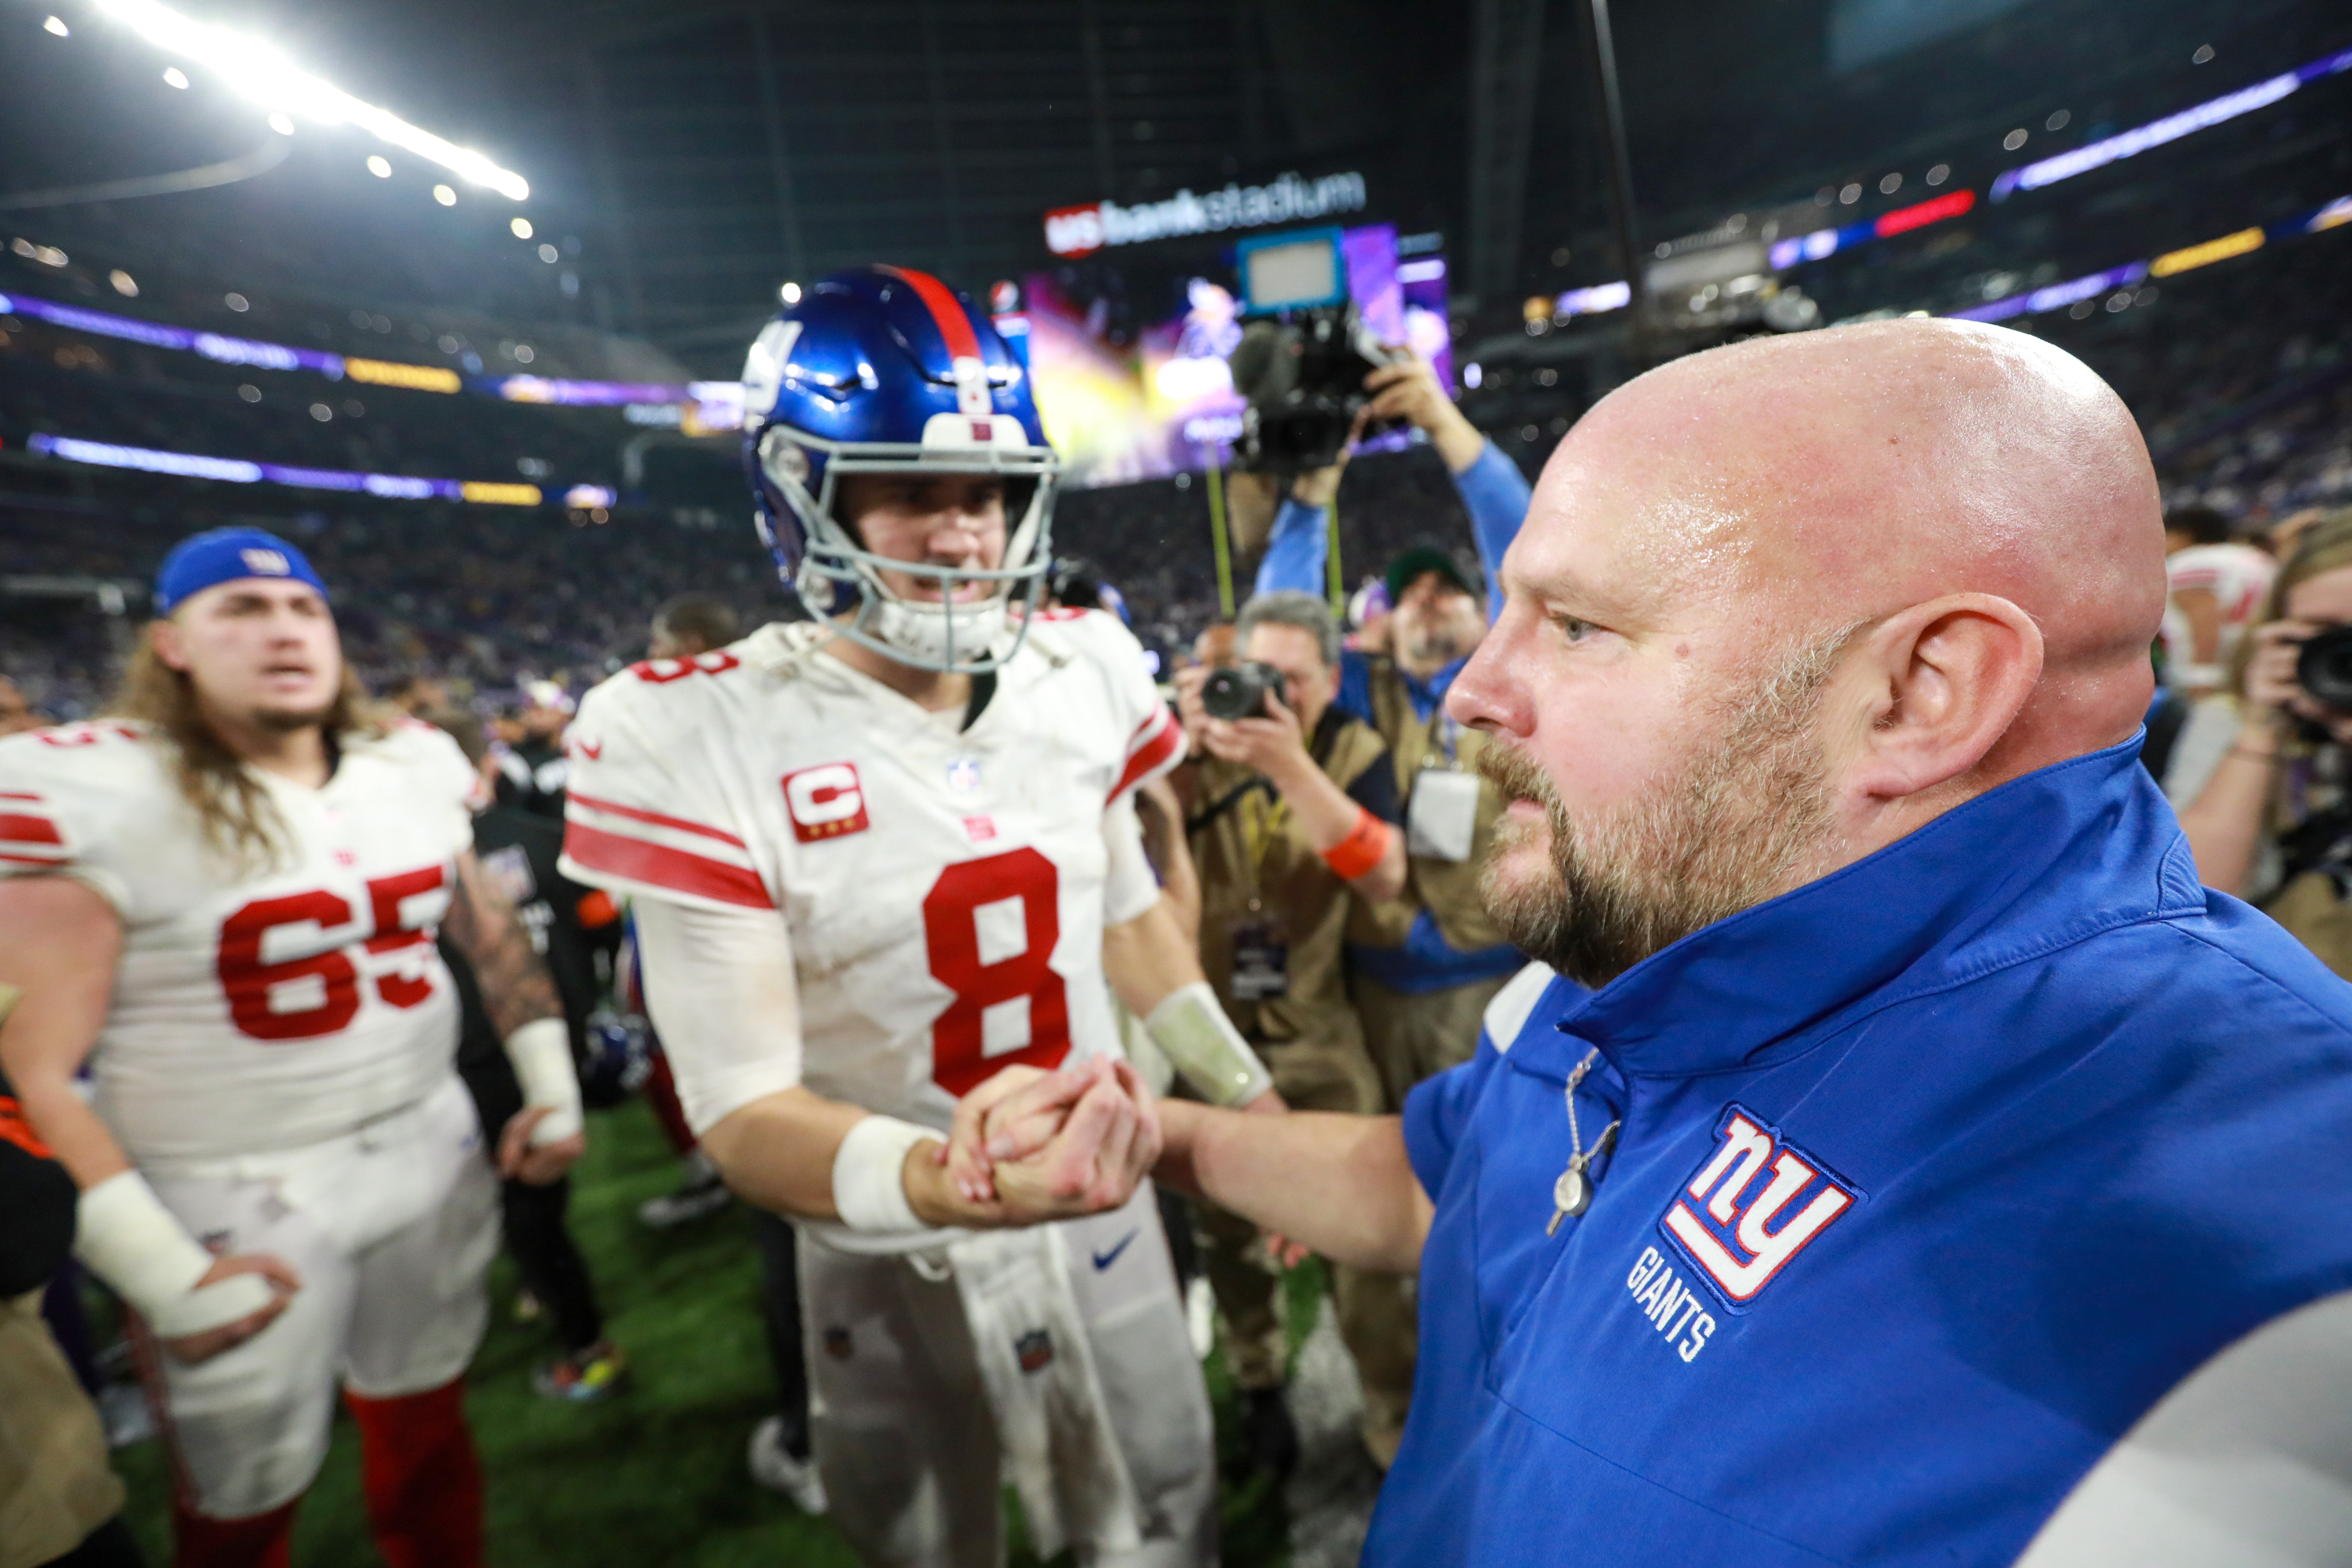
1831	478
1888	565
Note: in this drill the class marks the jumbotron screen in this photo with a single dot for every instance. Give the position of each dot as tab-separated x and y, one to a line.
1129	361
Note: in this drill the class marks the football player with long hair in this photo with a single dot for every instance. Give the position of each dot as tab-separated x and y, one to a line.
225	898
878	858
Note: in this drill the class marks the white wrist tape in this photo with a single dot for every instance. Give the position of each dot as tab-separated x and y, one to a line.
127	1239
1202	1045
869	1181
2202	675
541	1054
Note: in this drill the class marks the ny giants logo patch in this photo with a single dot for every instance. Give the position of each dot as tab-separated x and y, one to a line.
1755	1203
825	802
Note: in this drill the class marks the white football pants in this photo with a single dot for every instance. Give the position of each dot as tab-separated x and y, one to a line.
904	1432
391	1228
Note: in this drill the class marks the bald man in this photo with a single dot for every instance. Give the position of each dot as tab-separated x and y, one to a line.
1937	1172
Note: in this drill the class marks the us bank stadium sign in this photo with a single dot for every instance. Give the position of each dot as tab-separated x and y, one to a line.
1081	231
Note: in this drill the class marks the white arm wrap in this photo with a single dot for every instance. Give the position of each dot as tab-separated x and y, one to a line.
1205	1047
2197	676
127	1239
870	1181
541	1054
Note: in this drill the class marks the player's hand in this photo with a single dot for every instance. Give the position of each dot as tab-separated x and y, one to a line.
1275	744
1110	1141
519	1162
283	1283
970	1164
1047	1145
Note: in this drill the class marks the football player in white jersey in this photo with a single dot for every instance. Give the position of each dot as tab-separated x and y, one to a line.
879	858
225	899
2214	587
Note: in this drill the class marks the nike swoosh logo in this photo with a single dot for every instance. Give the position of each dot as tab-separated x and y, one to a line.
1105	1260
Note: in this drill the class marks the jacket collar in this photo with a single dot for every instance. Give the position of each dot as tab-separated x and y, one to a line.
2043	861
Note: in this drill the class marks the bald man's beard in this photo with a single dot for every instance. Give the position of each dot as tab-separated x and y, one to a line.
1749	819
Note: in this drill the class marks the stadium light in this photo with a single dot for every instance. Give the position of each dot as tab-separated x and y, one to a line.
56	27
263	74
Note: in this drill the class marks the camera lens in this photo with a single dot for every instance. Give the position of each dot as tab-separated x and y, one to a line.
2323	668
1237	691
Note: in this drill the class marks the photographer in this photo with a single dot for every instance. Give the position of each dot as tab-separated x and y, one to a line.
1424	966
1294	820
2273	823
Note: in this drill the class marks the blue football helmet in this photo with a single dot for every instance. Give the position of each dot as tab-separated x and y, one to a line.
887	370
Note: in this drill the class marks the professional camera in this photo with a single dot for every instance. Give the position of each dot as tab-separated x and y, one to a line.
1304	378
1240	690
2323	668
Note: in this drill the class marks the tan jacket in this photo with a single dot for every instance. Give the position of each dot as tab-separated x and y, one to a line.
1448	889
1249	848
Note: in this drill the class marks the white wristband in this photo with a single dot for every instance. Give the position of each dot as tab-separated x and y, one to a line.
869	1179
126	1236
1204	1046
2200	676
541	1054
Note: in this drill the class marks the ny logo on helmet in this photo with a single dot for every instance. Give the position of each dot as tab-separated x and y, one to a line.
1742	1237
266	563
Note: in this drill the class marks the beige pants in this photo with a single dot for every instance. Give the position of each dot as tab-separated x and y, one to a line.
55	1483
1413	1037
1375	1311
904	1435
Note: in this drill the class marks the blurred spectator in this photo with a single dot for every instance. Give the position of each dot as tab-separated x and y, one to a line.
1296	817
532	768
690	623
2274	822
16	712
61	1502
517	849
418	696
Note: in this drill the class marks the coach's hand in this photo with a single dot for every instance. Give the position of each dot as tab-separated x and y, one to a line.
1029	1146
519	1162
283	1283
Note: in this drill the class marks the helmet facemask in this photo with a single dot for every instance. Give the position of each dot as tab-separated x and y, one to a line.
836	573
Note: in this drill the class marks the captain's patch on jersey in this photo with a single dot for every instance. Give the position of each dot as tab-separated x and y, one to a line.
825	802
1742	1237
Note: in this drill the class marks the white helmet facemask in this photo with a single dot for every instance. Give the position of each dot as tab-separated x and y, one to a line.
966	626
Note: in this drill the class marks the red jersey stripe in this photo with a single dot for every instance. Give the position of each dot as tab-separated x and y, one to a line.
31	860
1152	753
655	817
13	794
639	861
21	829
955	327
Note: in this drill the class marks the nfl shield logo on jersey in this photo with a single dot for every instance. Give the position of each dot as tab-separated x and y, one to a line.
1755	1203
1034	1349
825	802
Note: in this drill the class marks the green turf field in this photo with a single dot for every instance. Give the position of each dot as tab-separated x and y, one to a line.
655	1477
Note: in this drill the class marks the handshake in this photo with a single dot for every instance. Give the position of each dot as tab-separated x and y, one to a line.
1029	1146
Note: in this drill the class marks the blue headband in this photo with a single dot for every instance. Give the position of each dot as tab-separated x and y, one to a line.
224	555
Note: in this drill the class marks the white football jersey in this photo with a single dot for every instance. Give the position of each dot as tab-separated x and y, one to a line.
2237	576
255	1011
944	889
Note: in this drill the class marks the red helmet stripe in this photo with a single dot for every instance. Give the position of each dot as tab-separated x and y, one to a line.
955	327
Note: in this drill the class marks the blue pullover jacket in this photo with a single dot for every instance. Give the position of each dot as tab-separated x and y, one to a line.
1934	1176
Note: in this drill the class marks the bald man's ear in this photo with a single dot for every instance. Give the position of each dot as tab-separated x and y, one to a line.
1947	678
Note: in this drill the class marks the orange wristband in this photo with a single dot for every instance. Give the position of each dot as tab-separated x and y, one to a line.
1364	848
